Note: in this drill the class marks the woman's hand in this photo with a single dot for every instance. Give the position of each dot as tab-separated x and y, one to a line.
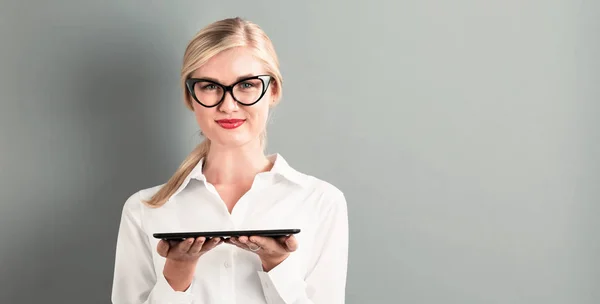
272	251
182	258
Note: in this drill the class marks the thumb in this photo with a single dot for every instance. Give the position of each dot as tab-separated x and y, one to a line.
291	244
163	248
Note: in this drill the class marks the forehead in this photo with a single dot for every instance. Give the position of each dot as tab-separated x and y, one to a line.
229	65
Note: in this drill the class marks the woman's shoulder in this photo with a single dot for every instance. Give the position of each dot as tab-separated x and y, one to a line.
329	194
327	200
306	180
322	186
136	201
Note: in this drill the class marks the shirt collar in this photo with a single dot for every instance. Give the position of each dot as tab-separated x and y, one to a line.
280	168
283	169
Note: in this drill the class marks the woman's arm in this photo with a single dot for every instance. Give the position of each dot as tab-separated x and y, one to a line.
325	282
135	280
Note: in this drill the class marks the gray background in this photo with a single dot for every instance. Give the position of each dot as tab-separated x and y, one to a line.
464	134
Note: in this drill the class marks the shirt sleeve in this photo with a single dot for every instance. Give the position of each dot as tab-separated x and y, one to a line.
135	279
325	283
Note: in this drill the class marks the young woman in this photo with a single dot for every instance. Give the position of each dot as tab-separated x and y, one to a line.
231	79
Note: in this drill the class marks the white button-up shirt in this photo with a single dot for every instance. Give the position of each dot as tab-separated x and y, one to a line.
279	199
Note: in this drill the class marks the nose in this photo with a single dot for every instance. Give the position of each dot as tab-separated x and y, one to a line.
229	104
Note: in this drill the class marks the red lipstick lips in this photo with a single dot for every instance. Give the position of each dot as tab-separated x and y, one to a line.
230	123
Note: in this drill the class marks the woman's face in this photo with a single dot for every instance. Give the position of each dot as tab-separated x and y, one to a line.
230	123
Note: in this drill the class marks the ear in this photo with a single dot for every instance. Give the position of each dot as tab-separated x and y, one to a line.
274	91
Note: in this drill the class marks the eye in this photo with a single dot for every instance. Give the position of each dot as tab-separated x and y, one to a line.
209	87
246	85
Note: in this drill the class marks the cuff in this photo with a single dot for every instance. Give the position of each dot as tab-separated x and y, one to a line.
164	293
284	282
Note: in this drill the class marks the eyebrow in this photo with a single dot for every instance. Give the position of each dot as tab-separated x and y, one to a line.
236	80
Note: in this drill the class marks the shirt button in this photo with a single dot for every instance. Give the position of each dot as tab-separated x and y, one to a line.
226	264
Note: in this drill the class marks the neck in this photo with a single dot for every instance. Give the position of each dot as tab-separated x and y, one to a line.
227	165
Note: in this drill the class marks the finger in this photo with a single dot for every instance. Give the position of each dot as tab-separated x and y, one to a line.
267	243
211	244
237	243
244	243
250	245
184	246
197	246
291	244
242	239
163	248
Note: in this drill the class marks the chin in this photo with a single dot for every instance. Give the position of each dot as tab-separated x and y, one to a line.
233	140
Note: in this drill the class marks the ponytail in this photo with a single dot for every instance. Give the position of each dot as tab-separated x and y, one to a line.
186	167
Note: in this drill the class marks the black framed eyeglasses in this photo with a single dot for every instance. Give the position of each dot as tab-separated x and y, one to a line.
210	93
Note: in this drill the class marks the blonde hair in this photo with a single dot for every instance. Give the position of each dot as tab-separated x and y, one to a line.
208	42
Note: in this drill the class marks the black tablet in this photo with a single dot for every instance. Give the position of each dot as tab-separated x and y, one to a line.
178	236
